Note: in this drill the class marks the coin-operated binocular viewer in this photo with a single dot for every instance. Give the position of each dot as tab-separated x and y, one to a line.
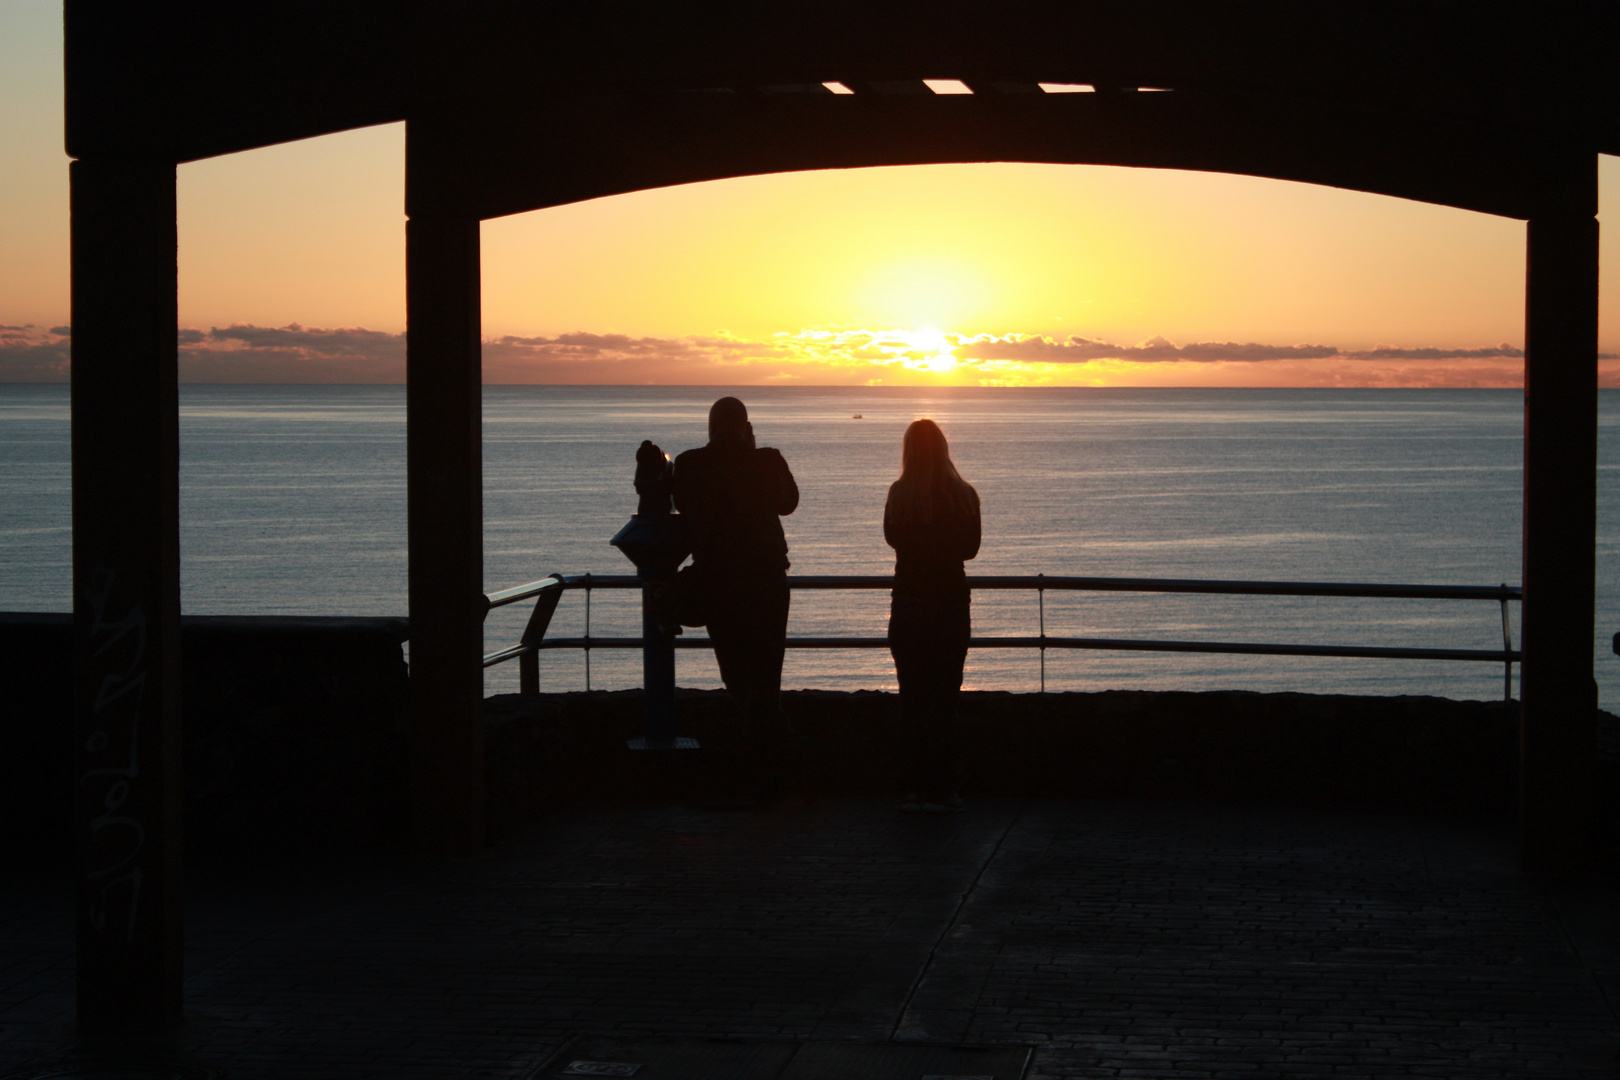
655	540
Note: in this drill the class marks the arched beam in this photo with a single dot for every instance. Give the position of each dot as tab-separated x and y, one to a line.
496	159
514	158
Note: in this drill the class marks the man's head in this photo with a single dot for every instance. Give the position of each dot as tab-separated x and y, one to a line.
728	418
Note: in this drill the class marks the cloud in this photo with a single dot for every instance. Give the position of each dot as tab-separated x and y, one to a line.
350	341
618	358
294	353
1395	352
291	354
1079	350
28	355
234	354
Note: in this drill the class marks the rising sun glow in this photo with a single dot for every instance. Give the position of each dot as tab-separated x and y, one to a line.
928	349
292	269
926	288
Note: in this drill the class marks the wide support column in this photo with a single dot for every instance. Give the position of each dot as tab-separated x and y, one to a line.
126	595
445	460
1557	690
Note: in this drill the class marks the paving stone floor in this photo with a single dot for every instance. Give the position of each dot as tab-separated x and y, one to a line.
1119	939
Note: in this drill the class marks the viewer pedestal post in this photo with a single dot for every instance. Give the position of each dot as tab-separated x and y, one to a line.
657	663
655	540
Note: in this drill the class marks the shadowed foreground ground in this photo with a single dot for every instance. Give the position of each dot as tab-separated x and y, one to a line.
1120	939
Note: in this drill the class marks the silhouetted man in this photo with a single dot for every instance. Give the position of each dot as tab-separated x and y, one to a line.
732	495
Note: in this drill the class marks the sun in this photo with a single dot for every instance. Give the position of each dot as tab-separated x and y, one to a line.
927	339
929	348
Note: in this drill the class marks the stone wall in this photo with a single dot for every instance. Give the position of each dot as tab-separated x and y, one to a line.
295	738
36	744
1409	754
294	733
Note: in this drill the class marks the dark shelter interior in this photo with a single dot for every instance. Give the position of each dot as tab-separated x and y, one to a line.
511	107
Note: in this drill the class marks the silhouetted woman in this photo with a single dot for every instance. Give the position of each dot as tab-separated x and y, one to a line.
932	521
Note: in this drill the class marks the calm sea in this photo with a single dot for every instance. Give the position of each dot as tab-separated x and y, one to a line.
293	502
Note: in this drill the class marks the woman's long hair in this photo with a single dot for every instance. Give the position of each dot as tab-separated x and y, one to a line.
929	487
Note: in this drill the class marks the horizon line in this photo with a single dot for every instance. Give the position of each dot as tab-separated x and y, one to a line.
912	388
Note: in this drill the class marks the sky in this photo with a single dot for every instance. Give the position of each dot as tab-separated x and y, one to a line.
292	270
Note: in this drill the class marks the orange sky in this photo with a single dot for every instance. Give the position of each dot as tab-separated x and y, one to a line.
1009	273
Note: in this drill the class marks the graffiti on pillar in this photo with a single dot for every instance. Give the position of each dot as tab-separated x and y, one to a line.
110	760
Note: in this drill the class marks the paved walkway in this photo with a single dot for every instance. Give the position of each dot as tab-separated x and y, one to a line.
1120	940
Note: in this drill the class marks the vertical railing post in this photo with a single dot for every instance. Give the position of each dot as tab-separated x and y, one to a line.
587	633
1556	689
534	632
1507	647
529	673
1040	594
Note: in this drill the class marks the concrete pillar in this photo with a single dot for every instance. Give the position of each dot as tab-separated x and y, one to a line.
126	594
1557	691
445	456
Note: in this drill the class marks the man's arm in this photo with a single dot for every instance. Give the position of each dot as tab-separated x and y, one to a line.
787	495
683	487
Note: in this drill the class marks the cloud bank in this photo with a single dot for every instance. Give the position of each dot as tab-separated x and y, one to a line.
28	354
1079	350
300	354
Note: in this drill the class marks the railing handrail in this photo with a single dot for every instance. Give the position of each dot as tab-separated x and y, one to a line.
1230	587
524	592
549	590
1390	652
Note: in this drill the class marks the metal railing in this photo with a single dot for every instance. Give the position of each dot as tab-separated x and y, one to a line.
548	591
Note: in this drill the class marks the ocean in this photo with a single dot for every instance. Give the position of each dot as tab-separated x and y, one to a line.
293	502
